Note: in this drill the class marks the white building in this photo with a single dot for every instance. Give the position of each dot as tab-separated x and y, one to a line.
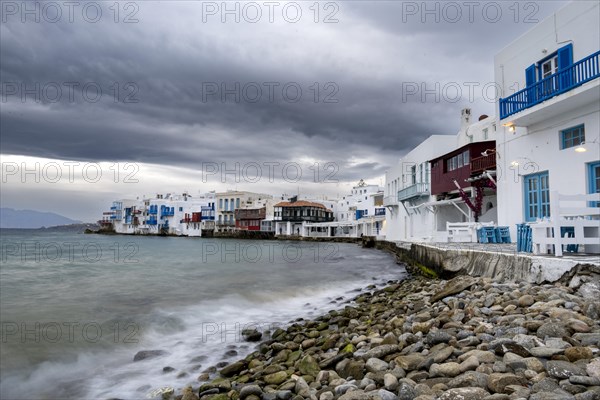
407	189
181	215
548	131
427	189
359	213
228	202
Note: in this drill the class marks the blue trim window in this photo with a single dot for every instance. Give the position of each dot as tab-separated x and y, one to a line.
537	196
594	181
572	137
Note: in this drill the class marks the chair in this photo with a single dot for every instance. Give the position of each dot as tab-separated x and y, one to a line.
486	234
502	234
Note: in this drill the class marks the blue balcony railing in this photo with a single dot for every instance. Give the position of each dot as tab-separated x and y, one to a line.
416	190
151	221
569	78
166	211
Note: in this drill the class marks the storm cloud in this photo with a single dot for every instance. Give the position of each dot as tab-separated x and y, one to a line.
182	83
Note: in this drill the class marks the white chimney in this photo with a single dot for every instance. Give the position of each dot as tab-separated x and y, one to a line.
465	118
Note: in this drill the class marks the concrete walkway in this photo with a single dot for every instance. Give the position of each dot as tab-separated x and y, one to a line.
498	260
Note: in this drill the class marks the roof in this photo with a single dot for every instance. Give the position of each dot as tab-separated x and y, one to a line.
299	203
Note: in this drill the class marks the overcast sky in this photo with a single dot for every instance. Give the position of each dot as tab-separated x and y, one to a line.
187	91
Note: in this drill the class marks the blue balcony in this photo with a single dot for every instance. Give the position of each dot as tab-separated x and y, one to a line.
569	78
151	221
167	211
208	213
416	190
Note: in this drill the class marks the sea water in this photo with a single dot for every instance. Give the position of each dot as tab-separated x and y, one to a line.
75	309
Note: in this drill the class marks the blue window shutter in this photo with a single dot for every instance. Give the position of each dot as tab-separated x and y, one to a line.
565	56
529	82
565	60
530	75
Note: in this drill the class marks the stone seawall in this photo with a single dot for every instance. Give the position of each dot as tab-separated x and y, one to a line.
447	263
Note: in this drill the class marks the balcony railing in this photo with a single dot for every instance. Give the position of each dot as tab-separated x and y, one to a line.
483	163
390	200
416	190
571	77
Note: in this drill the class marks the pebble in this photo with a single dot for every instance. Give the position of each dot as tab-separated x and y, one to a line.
421	339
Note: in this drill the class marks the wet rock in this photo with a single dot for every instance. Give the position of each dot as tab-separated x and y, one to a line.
526	300
376	365
203	377
342	389
545	385
188	394
593	368
436	337
354	369
467	393
469	379
309	366
552	329
284	395
146	354
584	380
563	369
233	369
454	286
386	395
498	382
276	378
251	335
448	370
409	362
390	382
327	396
512	348
578	353
380	351
469	364
556	395
406	392
250	390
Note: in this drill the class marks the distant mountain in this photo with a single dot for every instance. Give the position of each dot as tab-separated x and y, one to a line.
30	219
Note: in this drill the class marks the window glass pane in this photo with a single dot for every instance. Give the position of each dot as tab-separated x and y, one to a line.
573	136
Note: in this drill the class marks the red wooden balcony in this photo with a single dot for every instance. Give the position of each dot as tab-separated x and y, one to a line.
461	164
483	163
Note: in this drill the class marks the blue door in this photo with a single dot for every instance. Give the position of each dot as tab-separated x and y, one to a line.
594	179
537	196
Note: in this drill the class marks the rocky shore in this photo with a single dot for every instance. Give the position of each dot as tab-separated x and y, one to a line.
463	339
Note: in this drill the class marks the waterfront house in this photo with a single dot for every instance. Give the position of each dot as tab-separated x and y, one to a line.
249	219
549	116
290	216
361	212
229	201
447	179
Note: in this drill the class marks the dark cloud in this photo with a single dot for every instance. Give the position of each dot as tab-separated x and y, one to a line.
170	58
